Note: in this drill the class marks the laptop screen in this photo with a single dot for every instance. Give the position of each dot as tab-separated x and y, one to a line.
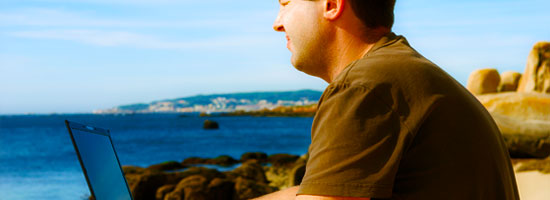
101	164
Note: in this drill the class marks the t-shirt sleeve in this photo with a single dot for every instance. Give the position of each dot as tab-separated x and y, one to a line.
357	143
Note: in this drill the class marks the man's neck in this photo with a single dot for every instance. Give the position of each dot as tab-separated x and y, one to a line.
348	48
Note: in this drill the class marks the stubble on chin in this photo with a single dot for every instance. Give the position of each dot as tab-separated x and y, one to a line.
310	60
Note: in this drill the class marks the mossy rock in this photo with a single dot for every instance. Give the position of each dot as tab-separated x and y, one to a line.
282	159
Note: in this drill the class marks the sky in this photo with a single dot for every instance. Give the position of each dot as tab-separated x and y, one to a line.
75	56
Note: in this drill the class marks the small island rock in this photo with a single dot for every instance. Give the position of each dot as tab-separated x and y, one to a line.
208	124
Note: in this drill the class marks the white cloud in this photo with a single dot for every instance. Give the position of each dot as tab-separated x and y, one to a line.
118	2
129	39
43	17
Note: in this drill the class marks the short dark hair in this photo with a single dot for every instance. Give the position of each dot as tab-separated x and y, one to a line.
374	13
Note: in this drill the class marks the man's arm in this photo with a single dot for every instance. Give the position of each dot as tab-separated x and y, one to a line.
286	194
290	194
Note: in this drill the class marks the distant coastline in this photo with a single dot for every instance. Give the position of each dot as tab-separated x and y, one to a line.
283	111
286	103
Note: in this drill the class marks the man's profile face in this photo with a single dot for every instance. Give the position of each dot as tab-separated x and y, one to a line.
300	20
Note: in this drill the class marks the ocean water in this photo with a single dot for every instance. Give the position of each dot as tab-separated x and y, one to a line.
38	161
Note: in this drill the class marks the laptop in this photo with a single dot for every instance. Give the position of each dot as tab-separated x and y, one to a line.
99	162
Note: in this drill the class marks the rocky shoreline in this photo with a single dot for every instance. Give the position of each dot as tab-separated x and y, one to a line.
256	174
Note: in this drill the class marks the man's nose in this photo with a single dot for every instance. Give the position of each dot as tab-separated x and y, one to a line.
277	25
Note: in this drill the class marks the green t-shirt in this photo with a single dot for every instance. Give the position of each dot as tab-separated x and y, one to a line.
393	125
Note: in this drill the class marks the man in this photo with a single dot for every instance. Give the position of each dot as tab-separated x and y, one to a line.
391	124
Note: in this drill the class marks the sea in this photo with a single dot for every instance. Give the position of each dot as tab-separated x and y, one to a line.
38	160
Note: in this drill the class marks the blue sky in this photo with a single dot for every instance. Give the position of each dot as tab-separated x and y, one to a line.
70	56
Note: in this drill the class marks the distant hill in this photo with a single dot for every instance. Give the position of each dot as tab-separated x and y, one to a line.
247	101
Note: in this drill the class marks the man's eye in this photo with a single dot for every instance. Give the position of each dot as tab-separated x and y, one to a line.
284	3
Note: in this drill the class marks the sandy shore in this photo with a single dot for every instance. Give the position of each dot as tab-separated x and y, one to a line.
533	185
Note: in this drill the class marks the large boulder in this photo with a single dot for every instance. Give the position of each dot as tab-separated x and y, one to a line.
536	77
524	121
525	107
483	81
509	81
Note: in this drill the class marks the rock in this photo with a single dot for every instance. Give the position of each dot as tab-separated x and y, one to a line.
200	187
259	156
163	190
208	124
191	188
527	146
277	176
221	189
285	176
509	81
251	170
194	160
223	160
167	166
523	120
536	77
248	189
144	186
297	174
520	106
483	81
205	172
132	169
282	159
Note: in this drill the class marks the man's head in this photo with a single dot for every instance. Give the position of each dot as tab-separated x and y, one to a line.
316	29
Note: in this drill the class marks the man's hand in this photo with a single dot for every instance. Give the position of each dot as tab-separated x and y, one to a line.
290	194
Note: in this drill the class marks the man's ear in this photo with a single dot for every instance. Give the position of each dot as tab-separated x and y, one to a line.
333	9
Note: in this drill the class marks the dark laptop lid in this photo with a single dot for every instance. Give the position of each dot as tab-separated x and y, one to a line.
99	162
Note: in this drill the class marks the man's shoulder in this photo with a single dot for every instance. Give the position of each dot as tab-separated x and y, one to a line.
395	62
